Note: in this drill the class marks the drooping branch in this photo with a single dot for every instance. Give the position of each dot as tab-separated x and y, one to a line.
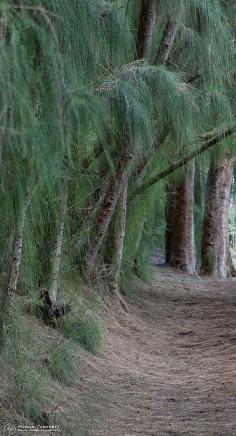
211	141
147	20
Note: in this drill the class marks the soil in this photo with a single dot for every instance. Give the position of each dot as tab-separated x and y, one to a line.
169	366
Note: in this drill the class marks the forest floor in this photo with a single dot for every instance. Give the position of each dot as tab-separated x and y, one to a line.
169	366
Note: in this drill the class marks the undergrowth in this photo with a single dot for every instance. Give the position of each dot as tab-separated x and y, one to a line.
39	361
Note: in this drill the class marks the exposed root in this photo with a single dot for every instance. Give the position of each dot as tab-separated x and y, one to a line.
52	310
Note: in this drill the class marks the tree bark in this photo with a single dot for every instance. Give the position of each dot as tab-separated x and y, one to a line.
17	249
137	246
147	20
119	236
170	221
105	216
215	242
56	259
180	241
167	43
231	270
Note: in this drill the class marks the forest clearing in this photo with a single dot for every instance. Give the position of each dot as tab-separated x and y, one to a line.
117	217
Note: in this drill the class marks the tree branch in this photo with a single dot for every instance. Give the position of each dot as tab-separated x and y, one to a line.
212	139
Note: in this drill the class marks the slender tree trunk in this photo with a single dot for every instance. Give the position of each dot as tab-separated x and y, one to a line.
215	242
231	270
137	246
119	236
56	259
170	222
105	216
167	43
17	249
147	20
16	264
180	241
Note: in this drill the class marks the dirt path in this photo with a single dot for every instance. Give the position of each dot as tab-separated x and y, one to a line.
170	367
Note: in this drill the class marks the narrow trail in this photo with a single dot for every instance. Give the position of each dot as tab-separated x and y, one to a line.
169	367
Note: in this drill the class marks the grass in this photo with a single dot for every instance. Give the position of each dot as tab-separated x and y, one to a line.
39	360
63	362
84	328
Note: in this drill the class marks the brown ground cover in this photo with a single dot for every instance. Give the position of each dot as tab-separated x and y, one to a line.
169	366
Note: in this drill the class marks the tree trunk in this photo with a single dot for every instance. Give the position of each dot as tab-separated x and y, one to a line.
170	222
215	244
119	236
147	20
16	264
167	43
180	241
105	216
17	249
137	246
56	259
231	270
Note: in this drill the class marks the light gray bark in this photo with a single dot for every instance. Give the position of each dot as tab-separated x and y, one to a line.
56	259
17	248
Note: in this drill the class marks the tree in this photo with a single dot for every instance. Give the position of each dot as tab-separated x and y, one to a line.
180	236
215	240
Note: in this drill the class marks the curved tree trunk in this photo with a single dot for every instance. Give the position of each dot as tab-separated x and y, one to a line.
105	216
180	241
215	244
147	19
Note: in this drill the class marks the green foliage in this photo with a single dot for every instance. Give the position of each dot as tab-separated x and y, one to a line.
70	82
23	353
84	328
63	362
